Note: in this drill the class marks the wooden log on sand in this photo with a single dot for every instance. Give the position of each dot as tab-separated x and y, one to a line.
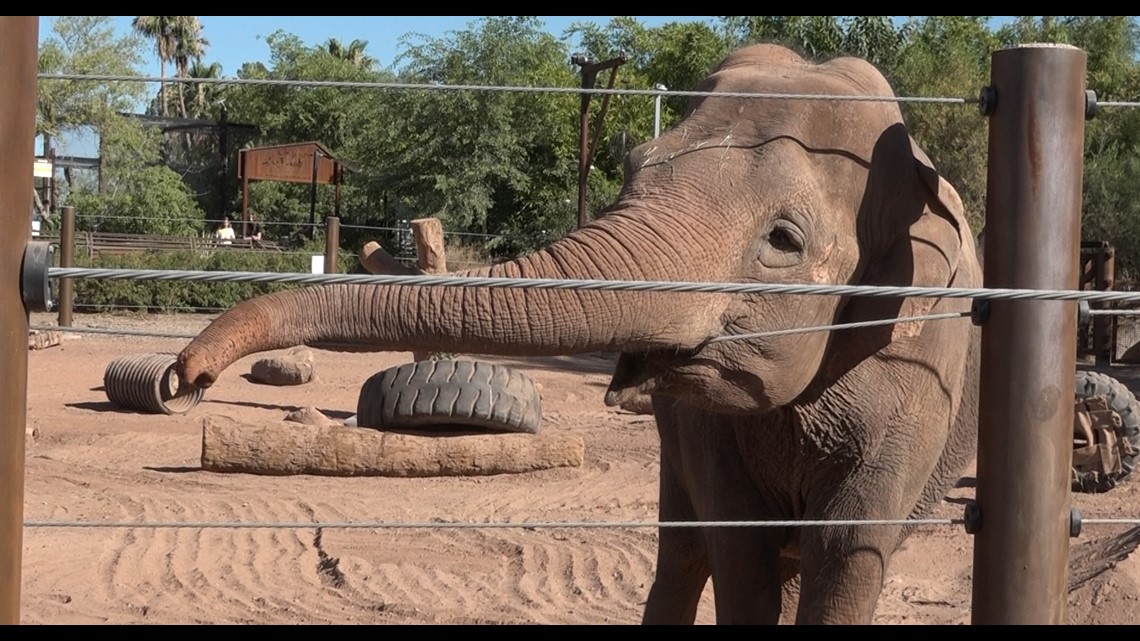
377	261
431	258
282	448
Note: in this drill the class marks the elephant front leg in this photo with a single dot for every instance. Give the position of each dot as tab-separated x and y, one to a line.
682	563
747	574
843	568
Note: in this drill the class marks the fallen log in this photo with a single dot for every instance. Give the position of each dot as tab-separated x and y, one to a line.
283	448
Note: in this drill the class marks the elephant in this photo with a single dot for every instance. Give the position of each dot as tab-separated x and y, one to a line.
870	423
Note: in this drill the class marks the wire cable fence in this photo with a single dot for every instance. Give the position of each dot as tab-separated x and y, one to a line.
412	86
280	223
525	525
129	306
344	84
114	331
183	219
597	285
454	525
717	339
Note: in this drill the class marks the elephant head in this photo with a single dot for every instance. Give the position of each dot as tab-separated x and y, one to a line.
764	190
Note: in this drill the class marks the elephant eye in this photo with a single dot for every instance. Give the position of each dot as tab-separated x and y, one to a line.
783	239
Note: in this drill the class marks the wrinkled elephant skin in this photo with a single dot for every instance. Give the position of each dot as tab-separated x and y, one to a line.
873	423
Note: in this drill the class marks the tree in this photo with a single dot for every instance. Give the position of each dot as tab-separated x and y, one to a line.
85	45
203	95
188	45
485	160
161	31
353	53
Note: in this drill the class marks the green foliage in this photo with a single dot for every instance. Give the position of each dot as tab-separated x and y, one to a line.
172	295
155	202
480	161
85	45
141	195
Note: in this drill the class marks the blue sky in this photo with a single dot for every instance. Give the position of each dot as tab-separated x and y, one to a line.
235	40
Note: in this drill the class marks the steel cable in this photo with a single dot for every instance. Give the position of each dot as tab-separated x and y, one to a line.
343	84
592	285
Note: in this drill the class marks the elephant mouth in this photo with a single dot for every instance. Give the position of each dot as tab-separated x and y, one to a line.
636	374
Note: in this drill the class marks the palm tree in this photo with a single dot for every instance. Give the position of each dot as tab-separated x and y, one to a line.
188	43
203	93
353	53
160	29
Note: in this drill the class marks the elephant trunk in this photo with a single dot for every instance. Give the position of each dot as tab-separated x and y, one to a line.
486	320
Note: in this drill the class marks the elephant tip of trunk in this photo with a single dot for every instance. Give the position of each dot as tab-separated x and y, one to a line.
191	370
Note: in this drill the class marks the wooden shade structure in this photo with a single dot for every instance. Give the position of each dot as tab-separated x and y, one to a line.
303	162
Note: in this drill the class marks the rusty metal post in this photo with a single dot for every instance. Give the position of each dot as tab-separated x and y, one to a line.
313	195
18	51
1028	360
590	71
244	169
66	259
224	157
332	244
338	180
583	147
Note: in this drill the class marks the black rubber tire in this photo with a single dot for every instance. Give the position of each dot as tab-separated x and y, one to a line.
1124	403
442	395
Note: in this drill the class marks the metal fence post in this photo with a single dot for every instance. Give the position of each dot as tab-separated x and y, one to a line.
332	244
66	259
1036	105
18	65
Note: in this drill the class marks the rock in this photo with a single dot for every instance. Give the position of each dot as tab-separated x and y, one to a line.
31	434
292	368
42	340
309	416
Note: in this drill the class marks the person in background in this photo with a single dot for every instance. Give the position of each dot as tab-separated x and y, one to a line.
254	230
225	233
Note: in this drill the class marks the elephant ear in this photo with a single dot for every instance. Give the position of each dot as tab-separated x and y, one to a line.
913	230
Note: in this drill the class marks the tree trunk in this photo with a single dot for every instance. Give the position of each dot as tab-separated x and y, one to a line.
162	86
280	448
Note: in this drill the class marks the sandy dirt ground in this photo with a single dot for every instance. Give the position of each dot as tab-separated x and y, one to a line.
92	461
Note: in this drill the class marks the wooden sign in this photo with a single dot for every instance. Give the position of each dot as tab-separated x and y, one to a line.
288	163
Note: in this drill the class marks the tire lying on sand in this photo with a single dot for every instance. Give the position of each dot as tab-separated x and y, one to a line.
1114	450
450	395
